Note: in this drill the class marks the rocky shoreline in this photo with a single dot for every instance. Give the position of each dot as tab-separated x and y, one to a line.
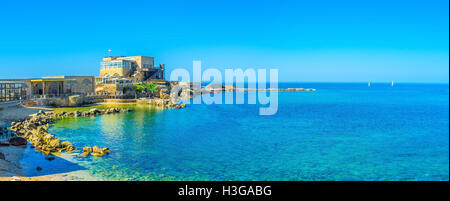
24	129
35	131
159	102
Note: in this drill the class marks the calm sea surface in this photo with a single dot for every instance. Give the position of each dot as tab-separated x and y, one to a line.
339	132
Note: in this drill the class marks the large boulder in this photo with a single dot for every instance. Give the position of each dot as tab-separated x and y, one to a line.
55	143
17	141
87	150
94	111
77	113
96	149
75	100
106	150
98	152
68	146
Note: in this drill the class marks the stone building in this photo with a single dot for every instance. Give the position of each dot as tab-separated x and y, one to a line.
115	87
55	86
63	85
118	74
138	68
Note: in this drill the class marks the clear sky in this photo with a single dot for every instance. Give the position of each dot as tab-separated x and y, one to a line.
338	41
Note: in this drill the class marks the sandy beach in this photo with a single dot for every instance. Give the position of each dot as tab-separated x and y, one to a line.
13	113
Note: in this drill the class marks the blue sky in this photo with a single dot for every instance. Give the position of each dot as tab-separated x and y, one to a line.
337	41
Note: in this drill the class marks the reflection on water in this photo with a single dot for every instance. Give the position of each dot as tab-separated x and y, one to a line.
336	133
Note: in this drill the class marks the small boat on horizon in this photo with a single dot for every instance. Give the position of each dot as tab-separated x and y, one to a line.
368	84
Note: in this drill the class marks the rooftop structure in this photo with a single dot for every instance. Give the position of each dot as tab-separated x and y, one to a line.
138	68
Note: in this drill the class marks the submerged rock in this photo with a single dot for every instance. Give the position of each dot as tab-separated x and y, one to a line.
17	141
2	156
50	158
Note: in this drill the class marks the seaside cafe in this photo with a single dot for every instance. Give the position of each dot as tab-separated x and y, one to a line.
49	87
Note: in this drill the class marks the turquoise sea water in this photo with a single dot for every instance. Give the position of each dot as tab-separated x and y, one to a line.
339	132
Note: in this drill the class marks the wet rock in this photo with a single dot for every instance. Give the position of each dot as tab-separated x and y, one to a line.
106	150
94	111
70	149
35	130
123	110
2	156
96	149
17	141
87	150
68	146
56	143
98	152
50	158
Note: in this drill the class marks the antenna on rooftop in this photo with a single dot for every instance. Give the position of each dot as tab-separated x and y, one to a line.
109	50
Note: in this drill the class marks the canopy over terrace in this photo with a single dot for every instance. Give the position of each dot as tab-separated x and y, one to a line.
48	87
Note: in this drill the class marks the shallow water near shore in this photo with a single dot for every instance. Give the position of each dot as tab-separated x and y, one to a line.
339	132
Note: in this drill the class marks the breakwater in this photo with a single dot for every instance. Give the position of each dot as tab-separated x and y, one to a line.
273	89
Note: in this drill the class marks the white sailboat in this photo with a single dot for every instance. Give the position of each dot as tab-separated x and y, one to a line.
368	84
392	83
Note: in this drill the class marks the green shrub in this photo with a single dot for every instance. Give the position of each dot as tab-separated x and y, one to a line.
149	87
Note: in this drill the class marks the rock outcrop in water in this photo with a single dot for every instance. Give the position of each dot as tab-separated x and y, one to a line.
159	102
95	151
273	89
17	141
34	130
